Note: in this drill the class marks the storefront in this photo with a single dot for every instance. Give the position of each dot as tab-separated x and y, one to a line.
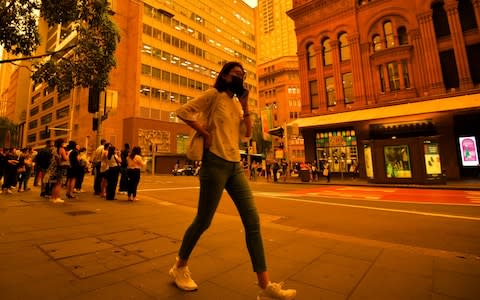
425	142
338	147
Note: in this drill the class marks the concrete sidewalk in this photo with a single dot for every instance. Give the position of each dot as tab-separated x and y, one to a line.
90	248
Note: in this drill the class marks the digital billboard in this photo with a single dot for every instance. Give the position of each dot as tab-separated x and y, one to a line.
469	151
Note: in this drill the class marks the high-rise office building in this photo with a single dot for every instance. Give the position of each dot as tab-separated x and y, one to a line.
275	31
170	52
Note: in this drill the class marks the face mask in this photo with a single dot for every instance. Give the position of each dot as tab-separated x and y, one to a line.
236	86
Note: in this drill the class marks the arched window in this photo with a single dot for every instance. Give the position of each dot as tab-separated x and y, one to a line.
311	60
389	34
377	43
467	15
344	47
327	52
402	35
440	20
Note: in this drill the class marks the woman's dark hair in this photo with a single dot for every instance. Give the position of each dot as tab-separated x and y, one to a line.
220	83
135	151
59	142
72	145
111	151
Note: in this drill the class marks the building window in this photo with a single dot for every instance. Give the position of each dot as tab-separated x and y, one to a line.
314	101
146	69
46	119
63	112
402	35
344	47
347	81
389	34
182	143
47	104
32	124
377	43
473	54
34	111
449	69
311	60
32	138
393	76
406	79
440	20
330	91
327	52
467	15
381	76
397	161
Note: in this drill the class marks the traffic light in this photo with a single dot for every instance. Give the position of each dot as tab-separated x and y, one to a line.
93	99
46	130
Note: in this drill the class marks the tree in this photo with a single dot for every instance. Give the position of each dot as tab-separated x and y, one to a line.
263	146
87	63
8	133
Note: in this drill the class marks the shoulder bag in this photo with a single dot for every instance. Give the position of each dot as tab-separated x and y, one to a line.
196	145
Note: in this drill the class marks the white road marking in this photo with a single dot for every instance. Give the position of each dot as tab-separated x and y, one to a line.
405	211
366	189
171	189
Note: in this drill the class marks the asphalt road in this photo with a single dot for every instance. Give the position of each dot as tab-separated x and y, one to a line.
436	220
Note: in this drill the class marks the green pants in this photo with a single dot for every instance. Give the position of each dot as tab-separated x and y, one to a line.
217	174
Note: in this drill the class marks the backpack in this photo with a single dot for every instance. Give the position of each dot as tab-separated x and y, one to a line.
43	158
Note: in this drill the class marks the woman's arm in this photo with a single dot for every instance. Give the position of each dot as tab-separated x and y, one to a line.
246	113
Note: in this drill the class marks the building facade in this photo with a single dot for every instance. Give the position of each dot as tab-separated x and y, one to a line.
280	103
278	80
392	86
169	53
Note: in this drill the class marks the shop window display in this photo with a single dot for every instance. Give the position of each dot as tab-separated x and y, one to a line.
339	148
397	161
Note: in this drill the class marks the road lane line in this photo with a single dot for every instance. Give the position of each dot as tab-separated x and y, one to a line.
170	189
413	212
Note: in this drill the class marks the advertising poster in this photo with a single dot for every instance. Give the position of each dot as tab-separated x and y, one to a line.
368	161
468	150
267	123
432	159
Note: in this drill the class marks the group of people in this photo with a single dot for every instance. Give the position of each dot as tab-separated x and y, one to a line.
16	169
65	165
109	162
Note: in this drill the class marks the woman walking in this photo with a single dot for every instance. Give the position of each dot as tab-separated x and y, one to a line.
225	106
135	163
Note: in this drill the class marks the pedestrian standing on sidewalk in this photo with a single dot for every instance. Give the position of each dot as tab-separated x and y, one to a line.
326	170
135	163
58	170
221	169
123	187
96	164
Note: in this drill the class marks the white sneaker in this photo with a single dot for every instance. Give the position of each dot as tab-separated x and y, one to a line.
182	278
275	291
58	200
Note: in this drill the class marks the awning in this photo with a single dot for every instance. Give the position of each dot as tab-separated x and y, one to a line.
409	109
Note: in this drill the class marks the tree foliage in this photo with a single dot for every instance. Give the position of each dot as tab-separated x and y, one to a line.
18	26
88	63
